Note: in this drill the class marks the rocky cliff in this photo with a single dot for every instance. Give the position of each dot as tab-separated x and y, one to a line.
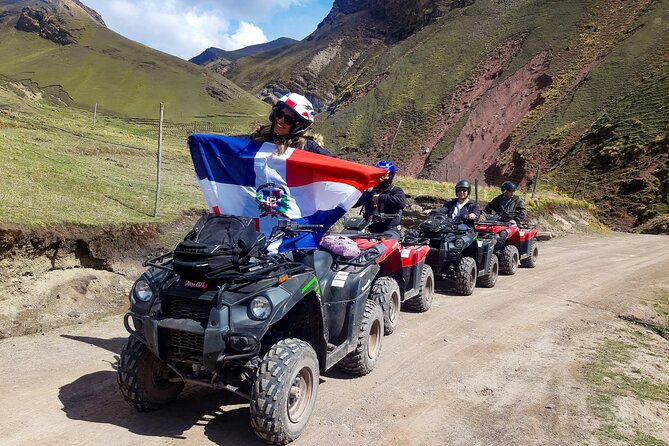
494	90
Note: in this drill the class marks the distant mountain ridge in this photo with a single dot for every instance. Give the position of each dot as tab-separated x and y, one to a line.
212	54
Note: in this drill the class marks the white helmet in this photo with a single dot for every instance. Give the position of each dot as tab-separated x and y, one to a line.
302	108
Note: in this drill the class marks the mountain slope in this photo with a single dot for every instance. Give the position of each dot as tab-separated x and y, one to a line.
493	90
95	65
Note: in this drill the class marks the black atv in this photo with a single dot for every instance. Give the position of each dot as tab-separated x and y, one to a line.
222	312
457	253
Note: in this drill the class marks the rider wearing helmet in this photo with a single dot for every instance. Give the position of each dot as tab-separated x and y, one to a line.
386	198
461	206
507	205
290	119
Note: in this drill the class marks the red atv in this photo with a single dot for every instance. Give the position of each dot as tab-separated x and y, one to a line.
515	244
404	277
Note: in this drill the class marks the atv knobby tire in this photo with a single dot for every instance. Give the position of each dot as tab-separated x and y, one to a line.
386	292
508	262
143	379
490	279
423	301
531	260
363	359
284	392
465	276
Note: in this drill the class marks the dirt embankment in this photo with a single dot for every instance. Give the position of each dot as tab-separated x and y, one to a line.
70	274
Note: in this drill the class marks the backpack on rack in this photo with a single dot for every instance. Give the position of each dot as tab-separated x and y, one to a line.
216	242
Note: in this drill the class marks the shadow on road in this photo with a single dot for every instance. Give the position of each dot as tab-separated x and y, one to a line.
114	345
95	398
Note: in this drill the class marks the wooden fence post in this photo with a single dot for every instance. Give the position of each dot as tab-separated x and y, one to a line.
393	142
476	189
160	156
95	113
573	194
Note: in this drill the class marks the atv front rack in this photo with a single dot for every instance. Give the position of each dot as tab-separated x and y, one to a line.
262	268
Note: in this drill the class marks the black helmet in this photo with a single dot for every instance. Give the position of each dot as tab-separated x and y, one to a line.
509	186
463	184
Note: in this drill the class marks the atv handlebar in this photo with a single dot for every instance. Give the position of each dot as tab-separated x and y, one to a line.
287	226
376	218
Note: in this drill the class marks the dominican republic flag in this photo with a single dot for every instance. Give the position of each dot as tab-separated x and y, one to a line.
248	179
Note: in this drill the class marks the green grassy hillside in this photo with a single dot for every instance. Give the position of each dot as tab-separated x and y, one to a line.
59	168
120	75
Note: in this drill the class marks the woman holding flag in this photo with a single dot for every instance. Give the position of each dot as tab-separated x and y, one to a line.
290	118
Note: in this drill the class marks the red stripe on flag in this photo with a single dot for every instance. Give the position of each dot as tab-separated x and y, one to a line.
304	168
216	210
257	223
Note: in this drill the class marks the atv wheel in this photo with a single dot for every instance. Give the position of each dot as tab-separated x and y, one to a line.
531	260
465	276
423	301
284	391
386	292
370	337
145	381
508	263
490	279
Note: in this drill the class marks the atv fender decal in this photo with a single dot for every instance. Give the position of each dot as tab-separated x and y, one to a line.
479	242
340	279
314	282
406	252
365	287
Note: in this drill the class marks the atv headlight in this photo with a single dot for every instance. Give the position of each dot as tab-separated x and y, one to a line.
260	308
503	233
142	291
459	243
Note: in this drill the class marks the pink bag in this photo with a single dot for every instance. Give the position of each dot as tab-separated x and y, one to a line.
340	245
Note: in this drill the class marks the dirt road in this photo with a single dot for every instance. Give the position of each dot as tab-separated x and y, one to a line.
502	366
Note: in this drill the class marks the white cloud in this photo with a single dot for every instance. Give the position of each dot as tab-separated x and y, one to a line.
185	28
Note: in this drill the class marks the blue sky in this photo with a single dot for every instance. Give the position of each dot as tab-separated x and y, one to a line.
185	28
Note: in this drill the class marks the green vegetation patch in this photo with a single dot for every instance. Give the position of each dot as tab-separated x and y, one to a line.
58	167
616	371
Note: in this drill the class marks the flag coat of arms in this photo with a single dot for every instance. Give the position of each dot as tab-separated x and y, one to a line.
249	179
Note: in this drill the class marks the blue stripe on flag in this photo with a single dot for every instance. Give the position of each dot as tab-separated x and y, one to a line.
224	159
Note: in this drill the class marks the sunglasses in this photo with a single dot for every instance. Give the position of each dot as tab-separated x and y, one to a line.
461	190
288	119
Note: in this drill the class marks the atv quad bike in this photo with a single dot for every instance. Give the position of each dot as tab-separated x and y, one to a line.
404	279
456	252
515	244
227	314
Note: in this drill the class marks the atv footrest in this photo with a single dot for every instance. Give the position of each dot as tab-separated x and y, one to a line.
337	354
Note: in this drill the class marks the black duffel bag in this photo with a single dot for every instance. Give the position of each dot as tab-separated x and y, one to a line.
216	242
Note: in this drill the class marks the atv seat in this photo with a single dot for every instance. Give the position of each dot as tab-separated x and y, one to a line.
366	244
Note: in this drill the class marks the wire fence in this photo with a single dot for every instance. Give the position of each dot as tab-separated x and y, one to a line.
178	129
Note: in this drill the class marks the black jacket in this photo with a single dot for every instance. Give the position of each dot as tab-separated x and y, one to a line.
509	208
391	201
471	207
